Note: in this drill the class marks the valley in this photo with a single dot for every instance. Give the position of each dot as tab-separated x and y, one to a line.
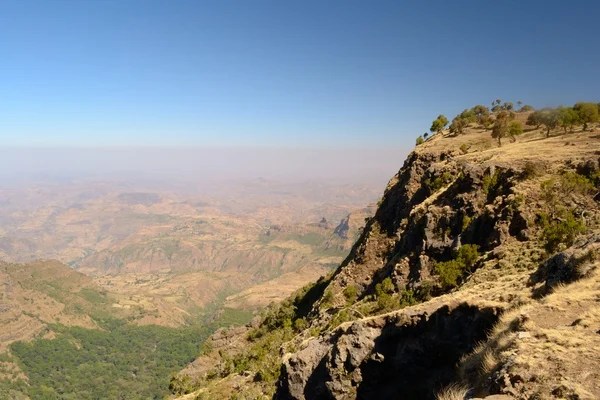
172	258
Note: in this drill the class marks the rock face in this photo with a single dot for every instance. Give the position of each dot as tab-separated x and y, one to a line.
392	356
431	207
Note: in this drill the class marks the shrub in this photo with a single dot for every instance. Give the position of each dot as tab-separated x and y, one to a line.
300	324
387	285
420	140
180	385
385	302
351	294
526	108
458	125
453	392
464	148
560	230
587	113
468	254
407	298
571	182
438	125
466	221
423	292
437	183
327	298
449	271
383	292
340	318
532	170
491	185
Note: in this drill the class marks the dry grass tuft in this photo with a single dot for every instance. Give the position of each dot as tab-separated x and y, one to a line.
453	392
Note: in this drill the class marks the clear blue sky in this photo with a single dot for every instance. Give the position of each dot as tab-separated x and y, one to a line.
294	73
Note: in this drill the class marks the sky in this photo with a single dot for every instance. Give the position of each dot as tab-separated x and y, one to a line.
301	74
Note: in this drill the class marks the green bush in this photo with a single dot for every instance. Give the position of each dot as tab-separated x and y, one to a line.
491	185
385	302
383	293
450	271
464	148
180	385
560	230
408	298
300	324
572	182
466	221
438	182
327	299
351	294
420	140
468	255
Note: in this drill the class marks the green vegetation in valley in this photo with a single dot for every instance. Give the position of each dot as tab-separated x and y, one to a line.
120	362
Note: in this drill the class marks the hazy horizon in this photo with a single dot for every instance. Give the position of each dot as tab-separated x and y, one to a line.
351	165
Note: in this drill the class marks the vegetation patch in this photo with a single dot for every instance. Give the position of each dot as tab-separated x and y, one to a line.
450	271
122	362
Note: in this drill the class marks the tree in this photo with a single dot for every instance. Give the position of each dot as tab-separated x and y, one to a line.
487	122
515	129
420	140
519	103
587	113
439	124
549	119
535	119
508	106
458	125
501	127
527	108
468	116
567	118
481	112
425	135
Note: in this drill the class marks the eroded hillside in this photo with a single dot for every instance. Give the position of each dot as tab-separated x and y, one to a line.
177	255
475	277
42	293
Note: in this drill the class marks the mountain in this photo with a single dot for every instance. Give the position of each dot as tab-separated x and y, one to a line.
476	277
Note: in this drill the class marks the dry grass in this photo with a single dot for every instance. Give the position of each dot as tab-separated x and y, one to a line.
453	392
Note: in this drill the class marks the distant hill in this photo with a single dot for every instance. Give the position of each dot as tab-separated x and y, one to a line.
36	295
176	256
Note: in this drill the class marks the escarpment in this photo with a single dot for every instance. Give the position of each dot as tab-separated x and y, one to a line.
476	277
431	207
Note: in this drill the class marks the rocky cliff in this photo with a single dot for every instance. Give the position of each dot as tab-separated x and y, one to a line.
475	277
